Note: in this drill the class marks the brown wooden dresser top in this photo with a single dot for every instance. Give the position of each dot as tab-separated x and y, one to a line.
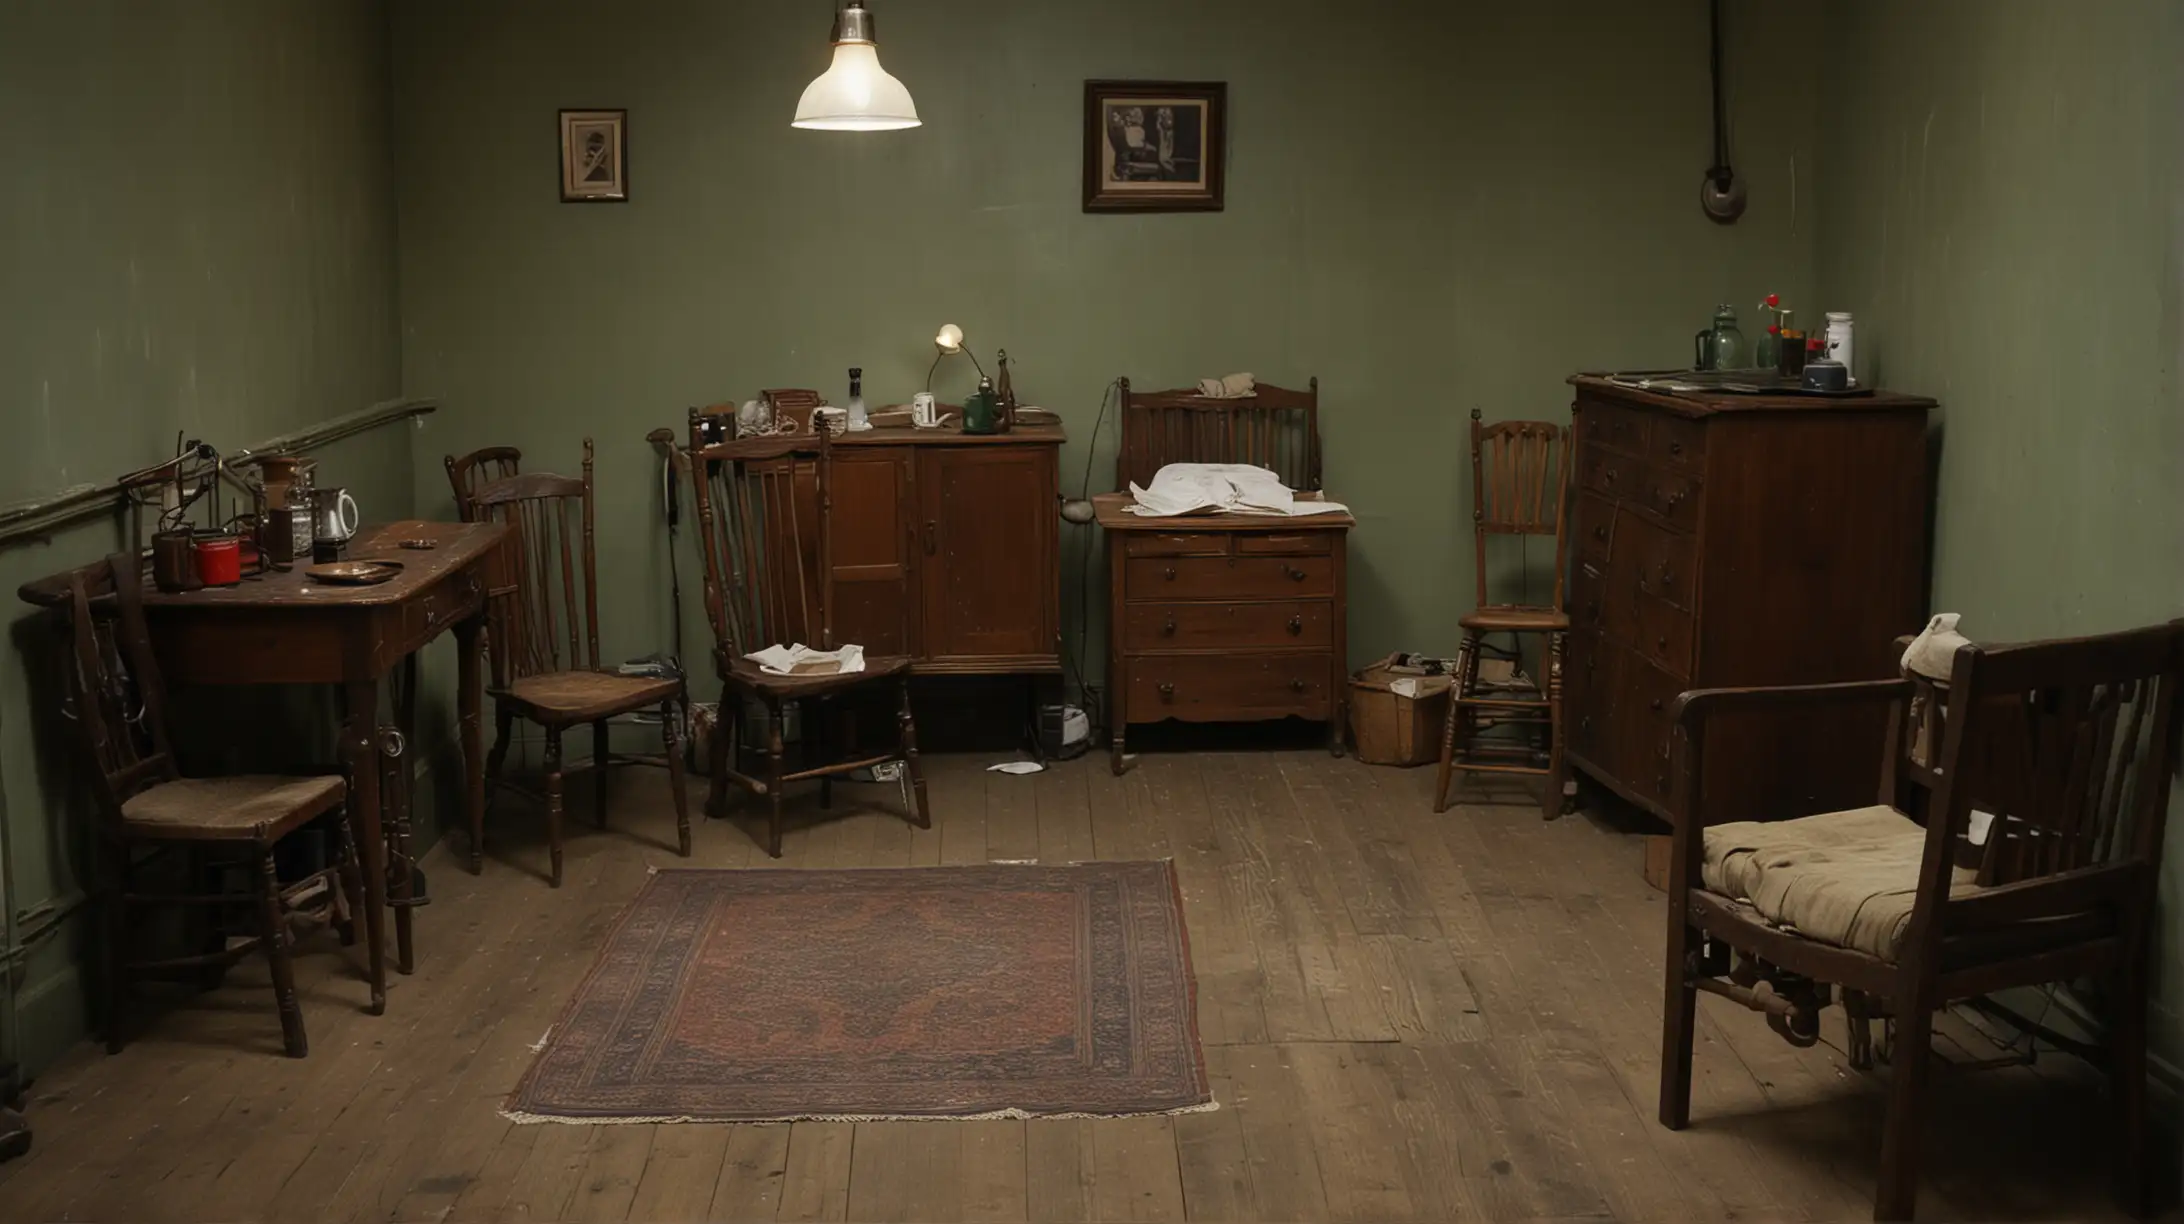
1713	403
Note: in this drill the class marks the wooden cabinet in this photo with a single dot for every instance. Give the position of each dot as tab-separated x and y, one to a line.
1219	619
947	548
1724	541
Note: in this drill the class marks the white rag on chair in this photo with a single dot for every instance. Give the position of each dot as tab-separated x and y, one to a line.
802	660
1221	488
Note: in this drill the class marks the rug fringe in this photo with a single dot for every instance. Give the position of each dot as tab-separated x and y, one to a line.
539	1046
523	1118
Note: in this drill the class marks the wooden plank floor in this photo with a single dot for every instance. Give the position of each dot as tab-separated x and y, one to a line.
1408	1017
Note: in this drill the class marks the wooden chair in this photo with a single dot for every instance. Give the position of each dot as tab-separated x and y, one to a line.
551	604
763	529
477	469
1275	428
118	704
1520	475
2068	743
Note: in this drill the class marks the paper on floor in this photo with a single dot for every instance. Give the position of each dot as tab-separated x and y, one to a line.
1221	488
1017	767
802	660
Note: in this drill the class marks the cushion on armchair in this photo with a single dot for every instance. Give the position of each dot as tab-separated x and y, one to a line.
1844	878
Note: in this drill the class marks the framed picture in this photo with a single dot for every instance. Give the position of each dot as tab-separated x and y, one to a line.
594	156
1154	146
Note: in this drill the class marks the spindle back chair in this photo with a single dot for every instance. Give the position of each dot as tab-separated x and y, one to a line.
2070	746
1274	428
1519	487
763	532
118	704
466	475
543	628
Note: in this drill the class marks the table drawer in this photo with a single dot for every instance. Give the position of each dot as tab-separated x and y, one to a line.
1648	757
1665	568
1595	527
1226	626
1589	595
1589	691
1157	578
1291	543
427	615
1176	544
1610	472
1664	634
1674	497
1679	442
1612	425
1229	687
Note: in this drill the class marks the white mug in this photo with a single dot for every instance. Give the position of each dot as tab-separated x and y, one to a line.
924	410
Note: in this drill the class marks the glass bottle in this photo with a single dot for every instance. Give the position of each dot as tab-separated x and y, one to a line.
857	416
1729	350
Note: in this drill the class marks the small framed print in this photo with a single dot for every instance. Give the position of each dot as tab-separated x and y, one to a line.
594	156
1154	146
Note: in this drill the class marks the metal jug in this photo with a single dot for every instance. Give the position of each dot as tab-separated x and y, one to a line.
1720	347
333	515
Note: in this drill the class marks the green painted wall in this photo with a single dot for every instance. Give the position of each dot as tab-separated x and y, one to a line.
1998	204
1428	220
196	234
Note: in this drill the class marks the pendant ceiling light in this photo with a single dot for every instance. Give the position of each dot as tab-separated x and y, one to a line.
855	94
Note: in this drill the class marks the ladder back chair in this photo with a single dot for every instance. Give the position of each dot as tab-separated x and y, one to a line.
118	704
1520	476
762	527
544	631
2041	775
1274	428
477	469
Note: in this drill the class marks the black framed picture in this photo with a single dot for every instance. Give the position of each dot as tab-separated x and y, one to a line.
1154	146
594	156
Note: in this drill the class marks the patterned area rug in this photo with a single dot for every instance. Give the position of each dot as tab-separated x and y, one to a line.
933	992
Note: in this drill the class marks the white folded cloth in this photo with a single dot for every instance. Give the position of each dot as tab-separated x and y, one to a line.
1235	386
802	660
1932	653
1221	488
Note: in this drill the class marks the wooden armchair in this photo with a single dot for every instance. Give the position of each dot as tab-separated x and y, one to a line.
1274	427
553	603
763	529
2068	744
119	707
477	469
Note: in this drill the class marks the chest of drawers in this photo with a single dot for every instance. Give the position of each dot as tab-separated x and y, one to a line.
1224	619
1728	541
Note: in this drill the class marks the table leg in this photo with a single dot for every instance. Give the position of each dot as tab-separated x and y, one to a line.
470	643
361	699
404	884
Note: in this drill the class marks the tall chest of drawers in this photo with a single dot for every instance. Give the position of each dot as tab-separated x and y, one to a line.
1727	541
1228	618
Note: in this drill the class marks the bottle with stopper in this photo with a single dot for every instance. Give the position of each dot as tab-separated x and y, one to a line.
858	418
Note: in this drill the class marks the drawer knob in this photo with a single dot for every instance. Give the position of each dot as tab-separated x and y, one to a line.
1169	628
1296	625
1295	574
1167	692
1169	573
1654	704
1662	643
1600	533
1296	686
1608	475
1670	498
1668	573
1675	448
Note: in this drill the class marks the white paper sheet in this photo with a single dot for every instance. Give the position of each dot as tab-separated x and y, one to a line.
802	660
1221	488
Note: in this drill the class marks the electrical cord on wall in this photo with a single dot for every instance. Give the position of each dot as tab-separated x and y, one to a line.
1086	692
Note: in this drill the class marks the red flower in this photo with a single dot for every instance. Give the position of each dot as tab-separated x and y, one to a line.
1774	299
1774	329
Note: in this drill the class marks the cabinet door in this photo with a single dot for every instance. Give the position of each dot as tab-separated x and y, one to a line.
872	505
988	545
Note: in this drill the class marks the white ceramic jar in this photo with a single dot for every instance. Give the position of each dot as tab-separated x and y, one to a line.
1838	340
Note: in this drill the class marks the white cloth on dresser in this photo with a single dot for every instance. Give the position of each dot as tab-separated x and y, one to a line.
1221	488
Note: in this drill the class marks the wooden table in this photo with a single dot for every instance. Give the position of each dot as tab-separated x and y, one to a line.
1225	617
282	628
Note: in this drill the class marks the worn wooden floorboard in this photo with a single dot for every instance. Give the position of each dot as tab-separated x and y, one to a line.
1407	1017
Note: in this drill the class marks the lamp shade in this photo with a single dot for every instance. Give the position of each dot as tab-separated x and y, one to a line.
855	94
950	339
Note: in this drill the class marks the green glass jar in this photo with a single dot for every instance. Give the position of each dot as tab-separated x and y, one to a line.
982	411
